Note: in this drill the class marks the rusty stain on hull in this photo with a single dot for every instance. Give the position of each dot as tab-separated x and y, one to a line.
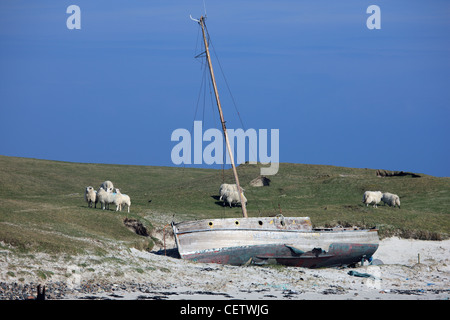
341	254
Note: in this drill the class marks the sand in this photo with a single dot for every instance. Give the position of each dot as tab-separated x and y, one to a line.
411	269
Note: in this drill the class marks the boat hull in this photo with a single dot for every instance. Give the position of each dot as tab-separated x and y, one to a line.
286	241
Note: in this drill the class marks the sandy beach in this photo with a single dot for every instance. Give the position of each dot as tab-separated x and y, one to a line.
410	269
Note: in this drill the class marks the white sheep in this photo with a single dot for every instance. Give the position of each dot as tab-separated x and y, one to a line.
107	184
121	199
224	187
229	193
391	199
105	197
372	197
233	197
90	195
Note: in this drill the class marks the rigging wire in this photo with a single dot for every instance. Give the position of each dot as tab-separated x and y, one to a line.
224	77
198	97
229	89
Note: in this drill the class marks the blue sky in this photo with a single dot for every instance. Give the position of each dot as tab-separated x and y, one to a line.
339	93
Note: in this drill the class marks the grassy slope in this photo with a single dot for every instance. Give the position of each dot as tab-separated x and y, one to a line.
42	202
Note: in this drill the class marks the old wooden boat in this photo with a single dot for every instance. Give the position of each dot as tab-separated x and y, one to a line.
290	241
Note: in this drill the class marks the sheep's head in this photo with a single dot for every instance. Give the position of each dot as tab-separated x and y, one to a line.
109	189
117	190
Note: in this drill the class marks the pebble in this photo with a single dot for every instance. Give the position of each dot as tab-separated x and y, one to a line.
60	290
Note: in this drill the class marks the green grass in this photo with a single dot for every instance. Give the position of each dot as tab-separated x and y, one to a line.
42	205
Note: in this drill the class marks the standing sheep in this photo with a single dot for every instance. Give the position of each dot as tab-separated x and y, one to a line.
233	197
372	197
229	193
225	187
391	199
90	195
105	197
121	199
107	184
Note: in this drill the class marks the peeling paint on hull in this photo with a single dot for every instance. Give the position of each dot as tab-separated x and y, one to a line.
340	254
290	241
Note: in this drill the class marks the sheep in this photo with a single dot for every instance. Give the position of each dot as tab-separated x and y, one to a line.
372	196
224	187
391	199
105	197
90	195
232	197
121	199
229	193
107	184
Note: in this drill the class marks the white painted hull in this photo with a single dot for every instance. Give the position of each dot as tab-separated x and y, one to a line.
208	238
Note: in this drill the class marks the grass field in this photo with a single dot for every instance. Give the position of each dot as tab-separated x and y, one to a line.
42	205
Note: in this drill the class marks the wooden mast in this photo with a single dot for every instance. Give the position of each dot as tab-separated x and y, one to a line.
227	141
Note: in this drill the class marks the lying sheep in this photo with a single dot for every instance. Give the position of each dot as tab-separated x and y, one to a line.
121	199
105	197
229	193
372	197
391	199
90	195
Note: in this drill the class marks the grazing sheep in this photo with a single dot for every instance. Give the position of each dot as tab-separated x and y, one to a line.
121	199
90	195
224	187
107	184
372	196
391	199
105	197
233	197
229	193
